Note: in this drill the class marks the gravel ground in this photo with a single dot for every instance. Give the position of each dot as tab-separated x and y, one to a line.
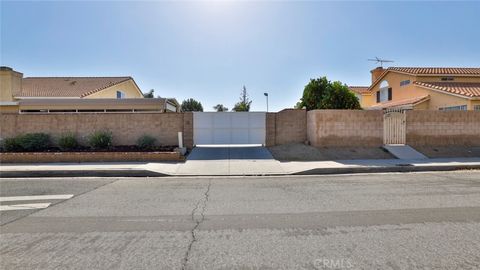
302	152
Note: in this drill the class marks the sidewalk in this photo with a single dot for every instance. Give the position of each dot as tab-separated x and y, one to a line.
235	167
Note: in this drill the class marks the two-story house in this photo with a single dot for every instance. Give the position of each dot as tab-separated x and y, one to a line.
421	88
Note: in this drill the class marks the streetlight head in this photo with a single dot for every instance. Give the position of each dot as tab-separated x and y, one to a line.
265	94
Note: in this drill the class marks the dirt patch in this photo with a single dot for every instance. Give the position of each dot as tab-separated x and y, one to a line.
302	152
449	151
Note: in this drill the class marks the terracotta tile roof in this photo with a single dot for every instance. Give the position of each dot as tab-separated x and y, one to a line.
400	103
464	89
425	71
437	70
66	86
359	89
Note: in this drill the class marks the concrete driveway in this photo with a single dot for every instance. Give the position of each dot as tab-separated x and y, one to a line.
230	160
227	152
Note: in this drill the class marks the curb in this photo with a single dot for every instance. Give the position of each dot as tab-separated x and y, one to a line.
81	173
317	171
386	169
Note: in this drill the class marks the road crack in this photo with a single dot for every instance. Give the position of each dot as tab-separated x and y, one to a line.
197	220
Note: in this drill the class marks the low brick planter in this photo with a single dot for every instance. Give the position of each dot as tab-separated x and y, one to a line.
48	157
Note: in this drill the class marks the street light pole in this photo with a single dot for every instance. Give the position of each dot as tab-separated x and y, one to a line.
266	95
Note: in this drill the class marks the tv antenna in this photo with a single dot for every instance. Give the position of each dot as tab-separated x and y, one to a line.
381	61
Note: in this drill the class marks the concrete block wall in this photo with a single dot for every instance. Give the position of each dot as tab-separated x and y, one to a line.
320	127
126	127
188	129
345	128
290	126
438	128
270	129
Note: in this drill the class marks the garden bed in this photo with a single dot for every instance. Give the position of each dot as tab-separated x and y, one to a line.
117	148
89	156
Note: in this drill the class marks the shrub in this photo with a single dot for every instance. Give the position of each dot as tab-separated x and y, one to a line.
67	141
100	140
146	142
28	142
34	141
11	145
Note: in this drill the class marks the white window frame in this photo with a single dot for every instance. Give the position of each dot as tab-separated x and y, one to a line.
454	108
384	91
404	82
122	94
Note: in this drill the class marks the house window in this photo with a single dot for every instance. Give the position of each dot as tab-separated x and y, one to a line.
476	107
120	94
390	93
378	96
384	92
454	108
405	82
447	79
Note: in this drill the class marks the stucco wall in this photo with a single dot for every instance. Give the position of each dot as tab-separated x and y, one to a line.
10	109
126	127
443	128
437	98
128	87
10	83
345	128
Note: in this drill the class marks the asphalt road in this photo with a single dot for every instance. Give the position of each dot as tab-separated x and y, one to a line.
371	221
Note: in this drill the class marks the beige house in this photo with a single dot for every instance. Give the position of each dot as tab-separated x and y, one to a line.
421	89
75	95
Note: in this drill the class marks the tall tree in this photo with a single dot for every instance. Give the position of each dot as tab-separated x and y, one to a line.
323	94
220	108
244	104
149	94
191	105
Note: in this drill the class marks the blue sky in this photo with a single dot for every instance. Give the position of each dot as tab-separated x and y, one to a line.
209	50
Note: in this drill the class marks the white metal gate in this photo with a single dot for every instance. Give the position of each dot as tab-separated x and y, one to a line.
229	128
394	127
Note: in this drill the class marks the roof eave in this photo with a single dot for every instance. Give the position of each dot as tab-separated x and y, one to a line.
106	87
19	97
446	92
447	75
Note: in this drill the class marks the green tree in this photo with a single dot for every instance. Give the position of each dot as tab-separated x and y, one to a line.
244	104
191	105
220	108
340	97
149	94
322	94
299	105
